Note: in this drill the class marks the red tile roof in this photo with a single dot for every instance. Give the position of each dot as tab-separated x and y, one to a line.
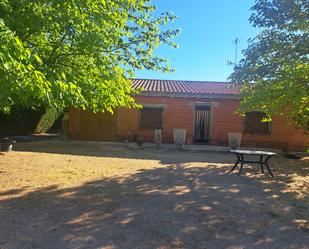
186	87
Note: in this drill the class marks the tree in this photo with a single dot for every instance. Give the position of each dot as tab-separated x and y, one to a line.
77	53
277	61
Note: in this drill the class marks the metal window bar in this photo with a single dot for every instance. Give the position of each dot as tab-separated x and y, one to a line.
253	124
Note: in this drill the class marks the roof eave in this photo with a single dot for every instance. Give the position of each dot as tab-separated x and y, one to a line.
189	95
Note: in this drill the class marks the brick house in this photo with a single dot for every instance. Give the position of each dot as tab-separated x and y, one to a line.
205	109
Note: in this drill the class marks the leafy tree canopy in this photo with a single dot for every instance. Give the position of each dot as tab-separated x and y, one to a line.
277	61
65	53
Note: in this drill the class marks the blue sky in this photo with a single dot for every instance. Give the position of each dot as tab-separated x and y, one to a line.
206	41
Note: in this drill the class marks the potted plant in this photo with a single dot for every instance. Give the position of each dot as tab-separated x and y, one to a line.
234	139
179	138
139	140
158	138
7	144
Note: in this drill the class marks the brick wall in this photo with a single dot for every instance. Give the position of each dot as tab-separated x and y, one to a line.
74	115
282	133
179	113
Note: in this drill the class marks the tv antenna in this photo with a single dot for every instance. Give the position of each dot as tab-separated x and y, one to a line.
236	42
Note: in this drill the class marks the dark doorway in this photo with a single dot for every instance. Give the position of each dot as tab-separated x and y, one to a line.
202	124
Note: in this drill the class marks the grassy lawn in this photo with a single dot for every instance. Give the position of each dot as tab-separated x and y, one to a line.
59	194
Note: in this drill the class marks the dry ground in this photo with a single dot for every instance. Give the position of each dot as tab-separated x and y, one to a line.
58	194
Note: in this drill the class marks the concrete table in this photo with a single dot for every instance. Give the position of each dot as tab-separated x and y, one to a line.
264	158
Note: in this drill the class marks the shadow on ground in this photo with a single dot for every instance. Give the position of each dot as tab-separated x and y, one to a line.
172	207
98	149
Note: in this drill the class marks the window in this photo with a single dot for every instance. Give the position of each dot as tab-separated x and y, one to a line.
151	118
253	124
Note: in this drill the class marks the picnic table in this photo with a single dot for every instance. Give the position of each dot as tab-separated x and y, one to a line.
264	158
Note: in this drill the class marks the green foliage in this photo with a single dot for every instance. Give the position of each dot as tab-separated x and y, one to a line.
77	53
47	120
277	61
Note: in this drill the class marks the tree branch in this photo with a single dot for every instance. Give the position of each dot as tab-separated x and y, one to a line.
26	36
70	54
57	46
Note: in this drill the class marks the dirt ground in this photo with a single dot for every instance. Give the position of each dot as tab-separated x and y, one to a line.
60	194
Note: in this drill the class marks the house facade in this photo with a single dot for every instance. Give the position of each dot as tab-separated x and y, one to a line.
206	110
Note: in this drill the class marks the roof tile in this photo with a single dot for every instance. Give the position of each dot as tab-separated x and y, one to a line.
186	87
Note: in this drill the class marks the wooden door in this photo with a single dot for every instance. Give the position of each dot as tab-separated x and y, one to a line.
98	126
